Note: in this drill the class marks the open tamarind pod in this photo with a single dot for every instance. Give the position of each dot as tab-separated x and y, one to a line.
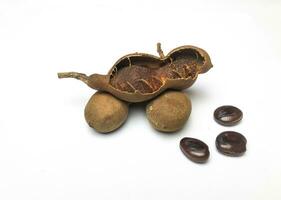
139	77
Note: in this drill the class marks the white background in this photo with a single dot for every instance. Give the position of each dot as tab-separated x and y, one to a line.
47	151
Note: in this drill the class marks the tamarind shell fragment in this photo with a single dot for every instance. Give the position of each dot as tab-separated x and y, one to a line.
139	77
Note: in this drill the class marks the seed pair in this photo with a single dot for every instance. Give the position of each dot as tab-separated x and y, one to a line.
166	113
228	143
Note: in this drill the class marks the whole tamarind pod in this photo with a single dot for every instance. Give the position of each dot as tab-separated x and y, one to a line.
169	111
105	113
139	77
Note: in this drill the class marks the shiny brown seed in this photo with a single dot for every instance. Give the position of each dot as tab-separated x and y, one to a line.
195	149
228	115
231	143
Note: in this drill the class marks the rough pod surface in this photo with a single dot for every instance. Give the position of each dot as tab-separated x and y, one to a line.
169	111
139	77
105	113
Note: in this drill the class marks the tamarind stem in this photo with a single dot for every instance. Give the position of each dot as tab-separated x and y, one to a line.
79	76
159	50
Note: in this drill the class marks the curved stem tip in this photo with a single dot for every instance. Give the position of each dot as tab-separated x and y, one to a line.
159	50
76	75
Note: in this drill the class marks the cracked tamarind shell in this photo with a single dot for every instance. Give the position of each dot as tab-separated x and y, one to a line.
139	77
105	113
169	111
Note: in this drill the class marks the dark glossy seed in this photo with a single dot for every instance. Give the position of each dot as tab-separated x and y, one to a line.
194	149
228	115
231	143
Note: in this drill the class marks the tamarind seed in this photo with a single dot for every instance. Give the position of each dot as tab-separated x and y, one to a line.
195	149
228	115
231	143
105	113
169	111
139	77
